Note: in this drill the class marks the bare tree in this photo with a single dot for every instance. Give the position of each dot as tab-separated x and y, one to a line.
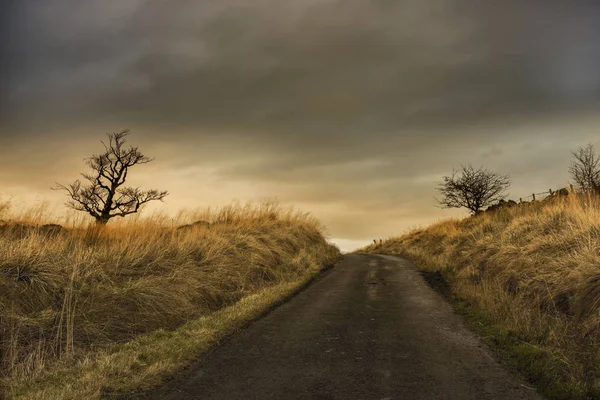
585	169
103	196
472	188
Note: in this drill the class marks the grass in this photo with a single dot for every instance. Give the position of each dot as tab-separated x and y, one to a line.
86	314
527	278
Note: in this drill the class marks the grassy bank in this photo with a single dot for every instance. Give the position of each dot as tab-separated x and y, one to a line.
85	314
528	279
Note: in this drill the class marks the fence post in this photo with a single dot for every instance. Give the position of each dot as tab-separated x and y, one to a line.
520	199
533	196
572	190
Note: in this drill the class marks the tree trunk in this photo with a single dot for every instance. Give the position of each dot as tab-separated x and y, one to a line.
101	222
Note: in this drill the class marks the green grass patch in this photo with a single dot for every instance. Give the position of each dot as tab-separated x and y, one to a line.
537	365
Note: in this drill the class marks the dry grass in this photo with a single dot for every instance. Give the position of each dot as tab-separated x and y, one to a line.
534	270
69	298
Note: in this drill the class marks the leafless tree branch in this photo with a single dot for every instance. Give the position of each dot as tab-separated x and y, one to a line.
472	188
104	196
585	169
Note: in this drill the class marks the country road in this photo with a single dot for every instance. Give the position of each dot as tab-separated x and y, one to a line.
371	328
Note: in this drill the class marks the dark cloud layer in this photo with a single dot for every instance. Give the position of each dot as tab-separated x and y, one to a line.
313	99
308	67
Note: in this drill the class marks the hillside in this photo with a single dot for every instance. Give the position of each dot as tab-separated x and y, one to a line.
528	279
85	313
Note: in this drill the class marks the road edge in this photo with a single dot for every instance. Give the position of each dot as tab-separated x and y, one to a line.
155	359
499	342
296	287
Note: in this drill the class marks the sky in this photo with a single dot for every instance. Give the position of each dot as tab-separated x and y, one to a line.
352	110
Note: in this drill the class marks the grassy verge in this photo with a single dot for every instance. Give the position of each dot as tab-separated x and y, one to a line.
95	314
527	279
136	366
547	371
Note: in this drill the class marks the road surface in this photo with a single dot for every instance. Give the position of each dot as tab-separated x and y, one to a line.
371	328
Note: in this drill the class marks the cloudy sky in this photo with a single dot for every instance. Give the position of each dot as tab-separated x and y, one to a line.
349	109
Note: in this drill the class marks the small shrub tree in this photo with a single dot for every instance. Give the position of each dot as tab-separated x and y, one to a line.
585	169
472	188
104	196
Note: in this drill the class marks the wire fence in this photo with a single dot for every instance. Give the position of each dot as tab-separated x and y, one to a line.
549	193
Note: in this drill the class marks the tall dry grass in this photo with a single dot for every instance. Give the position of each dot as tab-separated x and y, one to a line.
64	294
535	270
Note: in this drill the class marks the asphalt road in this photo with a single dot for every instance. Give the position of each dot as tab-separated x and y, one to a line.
371	328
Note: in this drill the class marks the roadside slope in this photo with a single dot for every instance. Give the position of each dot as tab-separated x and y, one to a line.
529	277
84	314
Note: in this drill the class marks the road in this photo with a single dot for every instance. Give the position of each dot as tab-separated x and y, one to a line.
371	328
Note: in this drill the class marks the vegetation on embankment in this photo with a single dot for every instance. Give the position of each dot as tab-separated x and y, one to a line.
84	314
528	278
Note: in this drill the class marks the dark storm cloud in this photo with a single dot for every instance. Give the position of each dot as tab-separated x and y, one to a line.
6	40
312	67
